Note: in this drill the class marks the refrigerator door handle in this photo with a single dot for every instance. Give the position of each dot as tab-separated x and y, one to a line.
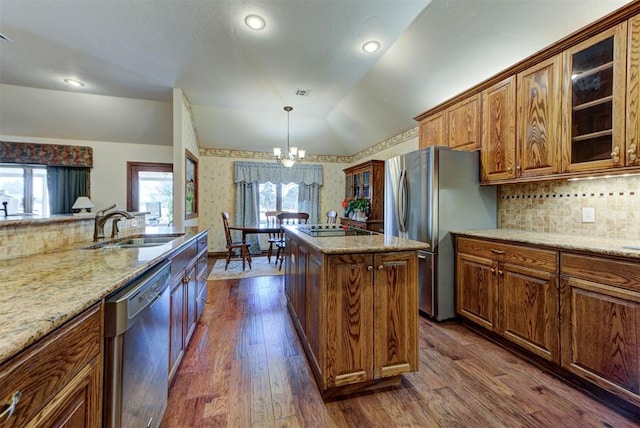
402	202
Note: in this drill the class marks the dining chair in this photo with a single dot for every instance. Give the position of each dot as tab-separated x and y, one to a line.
273	238
332	216
232	246
283	219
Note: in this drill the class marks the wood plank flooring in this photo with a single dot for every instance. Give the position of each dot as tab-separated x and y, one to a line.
245	367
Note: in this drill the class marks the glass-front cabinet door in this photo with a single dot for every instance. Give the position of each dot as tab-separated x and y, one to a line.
595	97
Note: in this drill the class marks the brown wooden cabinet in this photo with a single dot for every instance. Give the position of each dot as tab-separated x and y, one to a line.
356	314
511	290
458	127
600	313
58	380
188	290
633	92
594	101
366	180
538	117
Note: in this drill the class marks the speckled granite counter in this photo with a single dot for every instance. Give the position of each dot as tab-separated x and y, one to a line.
604	246
42	291
357	244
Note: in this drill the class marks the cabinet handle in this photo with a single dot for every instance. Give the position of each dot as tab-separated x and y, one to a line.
494	251
615	154
500	272
509	168
202	278
632	152
380	267
493	270
369	267
186	279
11	408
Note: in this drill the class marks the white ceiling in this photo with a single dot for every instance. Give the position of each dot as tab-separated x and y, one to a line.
131	53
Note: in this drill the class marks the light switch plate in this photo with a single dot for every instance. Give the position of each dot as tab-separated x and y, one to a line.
588	215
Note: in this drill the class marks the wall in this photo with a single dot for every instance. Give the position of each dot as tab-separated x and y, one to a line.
556	207
109	172
185	137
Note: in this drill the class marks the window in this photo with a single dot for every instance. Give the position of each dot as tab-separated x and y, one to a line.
277	197
24	188
150	189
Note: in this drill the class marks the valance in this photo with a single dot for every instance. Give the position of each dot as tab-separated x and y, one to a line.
46	154
273	172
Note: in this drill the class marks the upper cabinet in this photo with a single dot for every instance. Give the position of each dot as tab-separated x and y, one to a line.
458	126
570	110
633	92
594	81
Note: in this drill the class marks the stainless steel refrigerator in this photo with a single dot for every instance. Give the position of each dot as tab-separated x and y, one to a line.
428	193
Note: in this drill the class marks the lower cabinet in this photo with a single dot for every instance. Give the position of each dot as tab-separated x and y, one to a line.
58	380
600	326
511	290
188	294
356	314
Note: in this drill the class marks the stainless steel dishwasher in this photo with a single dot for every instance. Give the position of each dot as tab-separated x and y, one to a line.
137	351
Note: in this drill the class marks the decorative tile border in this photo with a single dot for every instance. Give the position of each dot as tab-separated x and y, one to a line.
389	142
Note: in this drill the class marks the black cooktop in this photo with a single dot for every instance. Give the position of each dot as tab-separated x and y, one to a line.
324	230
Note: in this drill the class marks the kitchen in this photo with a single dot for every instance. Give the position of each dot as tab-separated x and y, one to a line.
522	205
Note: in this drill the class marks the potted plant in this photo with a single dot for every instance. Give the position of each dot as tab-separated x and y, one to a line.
359	207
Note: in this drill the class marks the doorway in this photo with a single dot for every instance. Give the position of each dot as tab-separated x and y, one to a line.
150	189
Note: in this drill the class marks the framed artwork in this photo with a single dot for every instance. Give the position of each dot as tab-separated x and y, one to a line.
191	185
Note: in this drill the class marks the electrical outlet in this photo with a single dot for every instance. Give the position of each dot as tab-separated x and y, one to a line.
588	215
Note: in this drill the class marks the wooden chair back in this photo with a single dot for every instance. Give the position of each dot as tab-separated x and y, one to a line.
332	216
272	221
227	233
293	218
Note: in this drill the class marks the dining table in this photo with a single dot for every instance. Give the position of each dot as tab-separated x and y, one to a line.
247	230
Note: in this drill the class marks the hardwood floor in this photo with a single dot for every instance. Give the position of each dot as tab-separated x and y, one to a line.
245	367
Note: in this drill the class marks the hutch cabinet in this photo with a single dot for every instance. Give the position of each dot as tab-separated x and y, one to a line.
366	180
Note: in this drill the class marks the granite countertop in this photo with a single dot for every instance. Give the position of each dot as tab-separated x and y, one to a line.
357	244
42	291
603	246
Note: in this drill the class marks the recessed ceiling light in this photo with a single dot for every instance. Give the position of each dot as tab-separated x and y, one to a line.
371	46
74	83
255	22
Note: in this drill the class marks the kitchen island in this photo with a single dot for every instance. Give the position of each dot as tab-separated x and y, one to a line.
354	303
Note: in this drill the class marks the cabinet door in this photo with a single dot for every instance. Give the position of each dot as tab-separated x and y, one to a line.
601	335
314	309
176	331
395	313
498	131
476	282
528	313
633	92
539	108
300	283
463	124
191	295
594	87
432	131
349	331
291	271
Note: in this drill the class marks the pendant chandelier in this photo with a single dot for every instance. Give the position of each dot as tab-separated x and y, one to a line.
292	154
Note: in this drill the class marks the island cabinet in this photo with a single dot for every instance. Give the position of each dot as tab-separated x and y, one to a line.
187	289
511	290
355	313
58	380
600	312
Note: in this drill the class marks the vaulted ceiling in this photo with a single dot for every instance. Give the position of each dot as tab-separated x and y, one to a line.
131	53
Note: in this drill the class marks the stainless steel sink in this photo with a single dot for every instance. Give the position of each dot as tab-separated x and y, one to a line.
136	241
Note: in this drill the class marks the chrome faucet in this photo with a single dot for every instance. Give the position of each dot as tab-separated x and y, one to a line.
101	220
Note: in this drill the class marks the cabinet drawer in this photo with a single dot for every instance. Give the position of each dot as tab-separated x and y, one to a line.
615	273
43	369
521	255
182	258
202	242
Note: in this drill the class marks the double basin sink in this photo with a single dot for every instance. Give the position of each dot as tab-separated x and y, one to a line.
136	241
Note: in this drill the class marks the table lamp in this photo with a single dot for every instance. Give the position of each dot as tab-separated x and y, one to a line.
83	204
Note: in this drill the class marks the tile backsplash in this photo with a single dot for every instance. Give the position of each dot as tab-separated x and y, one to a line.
556	207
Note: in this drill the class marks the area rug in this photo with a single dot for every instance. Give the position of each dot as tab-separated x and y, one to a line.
259	267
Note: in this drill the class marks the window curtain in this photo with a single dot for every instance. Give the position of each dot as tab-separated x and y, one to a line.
247	175
247	211
65	185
